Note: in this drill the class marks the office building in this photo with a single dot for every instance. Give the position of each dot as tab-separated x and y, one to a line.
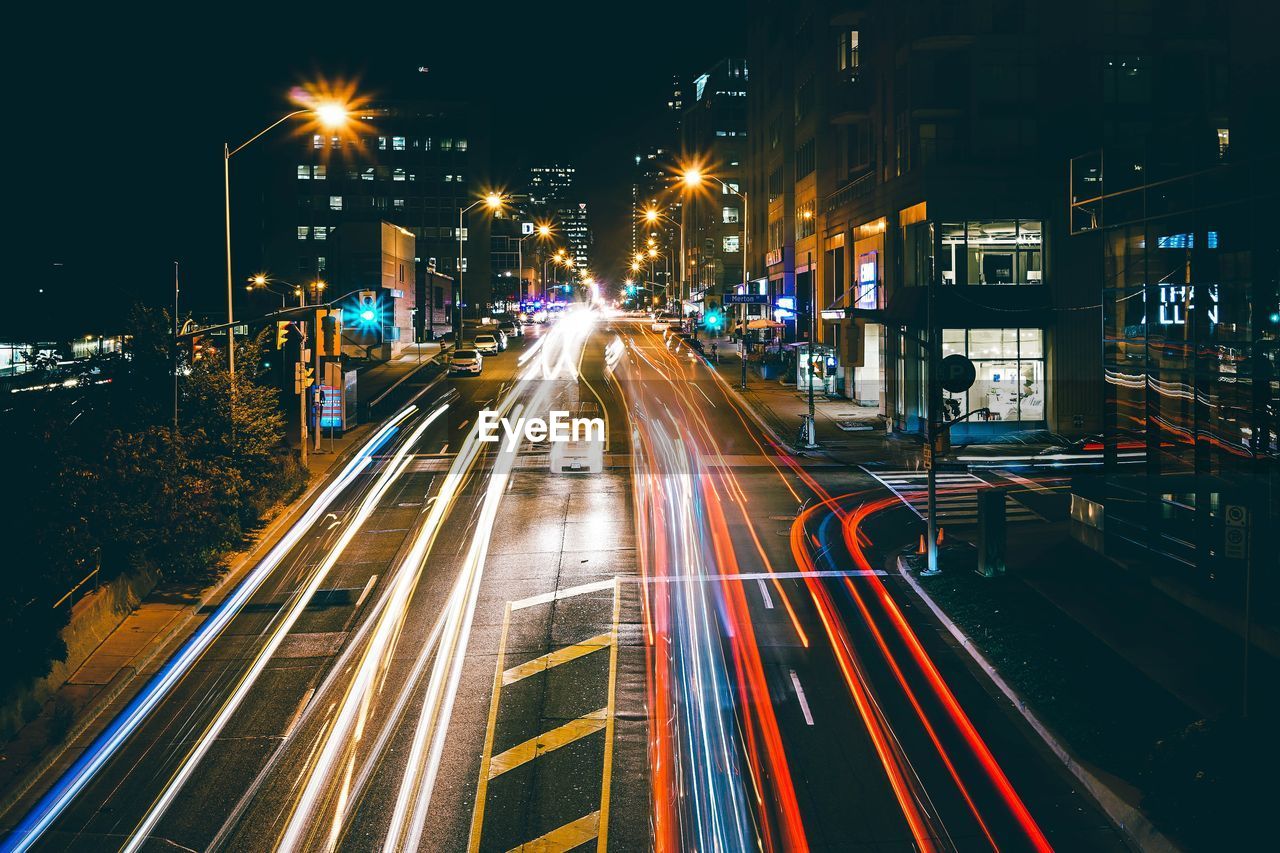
713	136
411	163
552	197
911	154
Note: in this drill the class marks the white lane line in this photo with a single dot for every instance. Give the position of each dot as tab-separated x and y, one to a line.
804	703
764	593
1023	481
751	576
570	592
365	592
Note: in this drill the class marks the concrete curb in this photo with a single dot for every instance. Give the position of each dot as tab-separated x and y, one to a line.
1129	819
180	629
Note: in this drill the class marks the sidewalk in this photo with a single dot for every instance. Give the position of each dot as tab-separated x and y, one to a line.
847	431
109	677
376	379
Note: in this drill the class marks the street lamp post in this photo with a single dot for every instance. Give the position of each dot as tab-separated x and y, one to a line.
330	116
493	201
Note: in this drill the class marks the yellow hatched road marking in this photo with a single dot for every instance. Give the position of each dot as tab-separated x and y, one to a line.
567	837
547	741
562	655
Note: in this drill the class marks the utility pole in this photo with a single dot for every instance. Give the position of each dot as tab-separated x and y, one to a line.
174	353
932	405
315	394
811	425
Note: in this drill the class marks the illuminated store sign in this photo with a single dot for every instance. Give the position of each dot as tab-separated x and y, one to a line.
867	280
1176	303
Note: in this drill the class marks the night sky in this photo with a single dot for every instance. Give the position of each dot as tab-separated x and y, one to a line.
116	146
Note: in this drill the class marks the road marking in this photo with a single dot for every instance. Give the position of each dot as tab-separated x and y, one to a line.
365	592
551	659
570	592
297	714
464	423
1023	481
804	703
751	576
595	825
539	745
567	837
764	593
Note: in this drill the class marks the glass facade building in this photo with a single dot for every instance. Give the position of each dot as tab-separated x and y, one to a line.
1191	323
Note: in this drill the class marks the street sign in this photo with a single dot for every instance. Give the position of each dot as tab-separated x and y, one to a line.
928	455
1235	532
956	374
745	299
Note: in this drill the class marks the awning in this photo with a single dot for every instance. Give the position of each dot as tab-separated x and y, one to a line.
765	323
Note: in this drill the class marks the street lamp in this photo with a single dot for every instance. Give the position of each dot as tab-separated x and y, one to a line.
693	177
331	115
542	232
493	201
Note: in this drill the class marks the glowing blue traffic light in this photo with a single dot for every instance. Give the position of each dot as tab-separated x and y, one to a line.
713	320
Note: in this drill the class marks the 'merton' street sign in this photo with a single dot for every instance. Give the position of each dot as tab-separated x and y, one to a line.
745	299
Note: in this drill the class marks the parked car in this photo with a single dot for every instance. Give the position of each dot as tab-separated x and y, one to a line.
465	361
486	344
512	330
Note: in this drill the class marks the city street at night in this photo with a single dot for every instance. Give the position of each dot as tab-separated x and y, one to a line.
852	426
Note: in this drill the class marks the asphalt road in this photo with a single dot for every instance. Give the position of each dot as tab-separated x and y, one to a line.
696	648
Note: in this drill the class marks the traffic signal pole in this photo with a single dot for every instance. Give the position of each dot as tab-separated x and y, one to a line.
931	431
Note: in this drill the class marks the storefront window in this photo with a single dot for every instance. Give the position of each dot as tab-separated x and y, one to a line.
1006	251
1010	373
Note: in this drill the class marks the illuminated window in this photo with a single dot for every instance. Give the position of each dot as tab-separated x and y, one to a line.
304	173
729	214
320	232
731	243
303	231
1010	372
317	141
335	202
382	143
397	203
320	263
847	58
729	188
367	174
397	143
461	145
398	175
446	144
319	172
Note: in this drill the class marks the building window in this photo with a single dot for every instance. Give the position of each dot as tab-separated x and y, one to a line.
805	99
731	243
320	263
1010	368
397	174
320	232
319	172
1224	142
382	143
729	214
806	220
303	231
446	144
317	141
461	145
397	203
304	173
397	143
806	159
847	54
335	202
367	174
729	188
1004	251
1125	80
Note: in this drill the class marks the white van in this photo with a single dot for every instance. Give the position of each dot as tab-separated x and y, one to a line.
585	455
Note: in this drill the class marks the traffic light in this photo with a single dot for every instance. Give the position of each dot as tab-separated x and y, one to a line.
304	376
713	320
367	307
282	333
329	343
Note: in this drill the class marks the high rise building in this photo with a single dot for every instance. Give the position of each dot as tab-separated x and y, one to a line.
411	163
714	139
552	196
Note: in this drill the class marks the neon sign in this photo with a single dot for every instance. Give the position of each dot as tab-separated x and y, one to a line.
1176	303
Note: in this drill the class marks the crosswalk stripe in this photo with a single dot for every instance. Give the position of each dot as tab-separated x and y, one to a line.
571	835
956	499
